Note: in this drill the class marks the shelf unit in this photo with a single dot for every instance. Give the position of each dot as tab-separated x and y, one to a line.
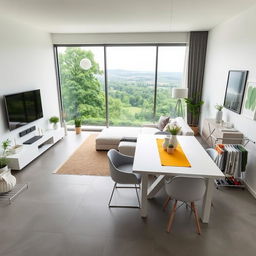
30	152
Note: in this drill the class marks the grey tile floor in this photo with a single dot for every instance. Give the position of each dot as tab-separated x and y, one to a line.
68	215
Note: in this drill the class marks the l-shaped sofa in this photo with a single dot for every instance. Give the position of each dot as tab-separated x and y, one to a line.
113	137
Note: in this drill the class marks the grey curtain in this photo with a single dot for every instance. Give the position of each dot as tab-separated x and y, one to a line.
196	64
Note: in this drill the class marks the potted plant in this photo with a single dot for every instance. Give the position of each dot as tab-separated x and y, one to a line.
194	107
3	164
78	123
170	149
6	145
54	120
174	130
219	113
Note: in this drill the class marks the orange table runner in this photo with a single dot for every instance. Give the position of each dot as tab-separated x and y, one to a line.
178	158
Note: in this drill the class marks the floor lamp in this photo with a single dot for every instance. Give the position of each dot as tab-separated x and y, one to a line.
179	93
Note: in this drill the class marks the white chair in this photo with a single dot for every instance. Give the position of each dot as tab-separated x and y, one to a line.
185	189
121	173
212	153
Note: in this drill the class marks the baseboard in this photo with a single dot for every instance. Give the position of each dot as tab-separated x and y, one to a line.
252	191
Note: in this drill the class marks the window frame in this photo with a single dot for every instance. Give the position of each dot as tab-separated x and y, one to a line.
105	46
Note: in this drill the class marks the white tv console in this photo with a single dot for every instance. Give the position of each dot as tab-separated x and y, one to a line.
29	152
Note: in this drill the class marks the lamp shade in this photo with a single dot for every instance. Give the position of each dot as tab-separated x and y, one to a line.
85	64
179	93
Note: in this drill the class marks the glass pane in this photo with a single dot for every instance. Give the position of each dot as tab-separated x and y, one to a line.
131	75
171	61
82	90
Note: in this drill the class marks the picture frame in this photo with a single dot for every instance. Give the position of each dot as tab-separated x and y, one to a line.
249	103
235	88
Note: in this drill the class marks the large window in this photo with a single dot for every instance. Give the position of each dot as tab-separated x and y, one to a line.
169	75
134	89
82	91
131	74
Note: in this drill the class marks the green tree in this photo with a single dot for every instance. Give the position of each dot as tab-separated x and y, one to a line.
81	89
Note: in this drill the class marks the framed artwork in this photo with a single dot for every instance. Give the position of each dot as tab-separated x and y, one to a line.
249	105
235	90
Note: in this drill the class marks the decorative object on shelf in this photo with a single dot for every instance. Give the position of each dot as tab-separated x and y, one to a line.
16	149
54	120
194	108
219	113
166	142
235	90
179	93
249	106
7	181
78	123
85	64
170	149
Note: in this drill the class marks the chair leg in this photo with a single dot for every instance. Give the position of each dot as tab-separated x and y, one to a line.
171	217
198	228
136	188
166	202
112	193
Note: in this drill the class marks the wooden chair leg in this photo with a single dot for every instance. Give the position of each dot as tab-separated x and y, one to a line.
166	202
171	217
198	228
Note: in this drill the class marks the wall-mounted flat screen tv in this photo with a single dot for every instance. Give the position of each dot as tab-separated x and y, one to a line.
23	108
235	90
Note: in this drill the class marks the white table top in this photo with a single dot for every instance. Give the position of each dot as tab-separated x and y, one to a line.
147	160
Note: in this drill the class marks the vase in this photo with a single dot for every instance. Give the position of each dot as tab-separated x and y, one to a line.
174	141
166	142
219	117
7	181
55	126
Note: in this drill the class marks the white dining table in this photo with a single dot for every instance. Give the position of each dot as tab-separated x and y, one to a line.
147	162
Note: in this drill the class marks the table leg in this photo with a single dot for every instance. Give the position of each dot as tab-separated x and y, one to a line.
156	186
144	192
206	207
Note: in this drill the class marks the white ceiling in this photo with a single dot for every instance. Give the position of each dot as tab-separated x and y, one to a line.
99	16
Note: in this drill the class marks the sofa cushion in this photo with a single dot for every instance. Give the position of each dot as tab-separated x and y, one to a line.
162	122
186	130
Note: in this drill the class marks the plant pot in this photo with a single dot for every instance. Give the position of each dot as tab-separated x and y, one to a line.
4	169
55	126
219	117
170	150
78	130
174	141
195	129
7	181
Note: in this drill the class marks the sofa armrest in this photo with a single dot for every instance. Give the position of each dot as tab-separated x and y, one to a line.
150	125
185	128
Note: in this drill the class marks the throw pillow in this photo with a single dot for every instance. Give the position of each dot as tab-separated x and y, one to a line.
163	121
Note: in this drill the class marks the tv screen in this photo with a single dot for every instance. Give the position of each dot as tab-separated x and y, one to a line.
235	90
23	108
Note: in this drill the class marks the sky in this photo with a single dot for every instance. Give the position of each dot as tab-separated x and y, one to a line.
140	58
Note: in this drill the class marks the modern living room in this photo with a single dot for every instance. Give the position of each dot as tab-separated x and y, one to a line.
125	135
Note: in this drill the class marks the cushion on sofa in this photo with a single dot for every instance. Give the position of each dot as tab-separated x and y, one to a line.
162	122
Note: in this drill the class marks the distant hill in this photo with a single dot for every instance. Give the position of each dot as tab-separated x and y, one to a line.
115	75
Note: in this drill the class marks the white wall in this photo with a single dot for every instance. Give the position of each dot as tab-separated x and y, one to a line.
232	45
119	38
26	63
